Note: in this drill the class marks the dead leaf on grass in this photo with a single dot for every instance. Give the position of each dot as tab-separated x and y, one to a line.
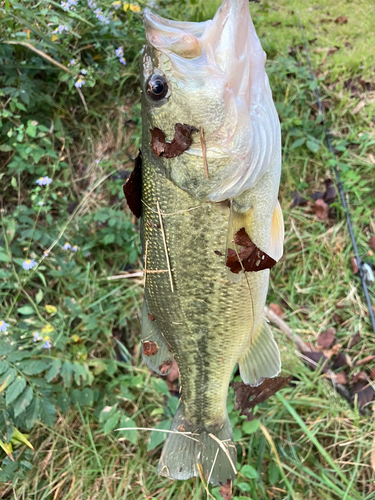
226	490
340	361
330	194
276	309
358	108
321	209
259	394
341	20
354	339
298	200
317	361
327	338
354	264
364	392
372	243
365	360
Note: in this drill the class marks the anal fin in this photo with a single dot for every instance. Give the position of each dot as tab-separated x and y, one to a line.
155	351
262	358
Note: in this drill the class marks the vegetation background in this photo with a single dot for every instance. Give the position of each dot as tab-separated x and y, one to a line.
70	365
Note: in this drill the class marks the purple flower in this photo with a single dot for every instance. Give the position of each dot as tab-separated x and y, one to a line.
84	72
79	82
36	337
61	28
71	62
67	246
122	61
74	248
28	264
3	326
116	5
44	181
119	52
47	345
65	6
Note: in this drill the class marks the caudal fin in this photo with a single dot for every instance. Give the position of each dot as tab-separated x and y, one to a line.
209	450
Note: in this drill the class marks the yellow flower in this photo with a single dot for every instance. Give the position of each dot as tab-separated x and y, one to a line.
50	309
132	7
47	329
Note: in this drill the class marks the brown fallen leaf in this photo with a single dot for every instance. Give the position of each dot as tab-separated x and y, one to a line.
249	257
364	392
359	376
317	361
226	490
365	360
354	264
180	142
133	188
327	338
165	366
174	373
261	393
358	108
340	361
341	378
298	200
372	243
354	339
330	193
276	309
321	209
333	50
341	20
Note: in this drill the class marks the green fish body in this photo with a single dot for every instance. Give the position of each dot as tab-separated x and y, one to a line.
196	196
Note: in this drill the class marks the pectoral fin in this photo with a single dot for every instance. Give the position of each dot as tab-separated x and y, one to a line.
155	351
262	358
277	233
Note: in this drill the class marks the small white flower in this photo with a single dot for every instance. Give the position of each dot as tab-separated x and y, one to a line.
74	248
79	83
36	337
67	246
84	72
47	345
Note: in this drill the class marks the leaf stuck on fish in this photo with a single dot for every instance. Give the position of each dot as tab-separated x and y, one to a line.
180	142
249	257
226	490
149	348
133	187
259	394
165	366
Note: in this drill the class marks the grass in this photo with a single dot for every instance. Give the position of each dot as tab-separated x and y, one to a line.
311	443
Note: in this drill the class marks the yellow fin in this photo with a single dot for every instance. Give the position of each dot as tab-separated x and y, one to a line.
277	233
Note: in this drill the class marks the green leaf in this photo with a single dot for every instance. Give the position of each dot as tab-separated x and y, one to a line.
157	437
249	472
63	401
31	129
298	143
25	310
39	297
66	373
3	367
7	378
23	401
54	370
34	366
4	257
5	148
111	422
84	397
313	146
14	390
47	411
244	486
7	472
32	413
130	436
273	473
250	427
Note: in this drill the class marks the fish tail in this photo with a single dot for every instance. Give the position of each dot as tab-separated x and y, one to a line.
189	452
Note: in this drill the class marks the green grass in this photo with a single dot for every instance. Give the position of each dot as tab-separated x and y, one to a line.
322	444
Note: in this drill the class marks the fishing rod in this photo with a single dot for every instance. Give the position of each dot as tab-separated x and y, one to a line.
361	265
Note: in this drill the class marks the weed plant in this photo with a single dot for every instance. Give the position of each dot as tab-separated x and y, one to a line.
70	367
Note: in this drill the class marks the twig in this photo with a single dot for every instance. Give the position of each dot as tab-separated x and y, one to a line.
222	446
204	151
121	276
165	246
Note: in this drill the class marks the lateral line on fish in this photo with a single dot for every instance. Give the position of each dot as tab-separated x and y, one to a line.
175	213
165	245
222	446
145	269
204	151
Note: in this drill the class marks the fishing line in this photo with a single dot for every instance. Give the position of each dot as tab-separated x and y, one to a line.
360	263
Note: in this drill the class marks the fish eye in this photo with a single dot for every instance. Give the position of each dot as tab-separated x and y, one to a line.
157	87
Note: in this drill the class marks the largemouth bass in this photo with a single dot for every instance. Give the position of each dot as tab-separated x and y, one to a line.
211	224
